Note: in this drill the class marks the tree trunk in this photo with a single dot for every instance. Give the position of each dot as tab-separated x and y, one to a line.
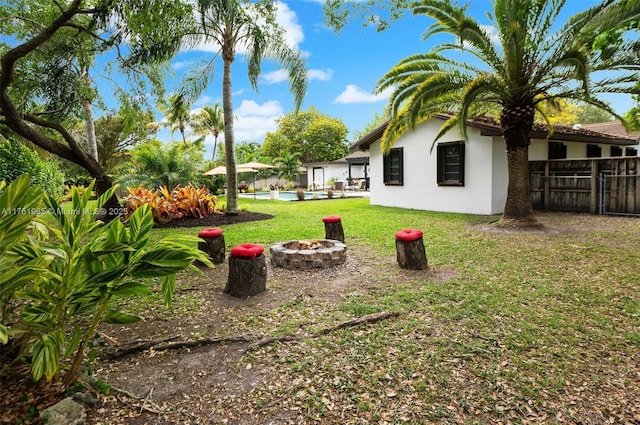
90	129
230	161
516	123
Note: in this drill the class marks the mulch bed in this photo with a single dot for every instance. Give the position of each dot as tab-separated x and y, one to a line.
215	220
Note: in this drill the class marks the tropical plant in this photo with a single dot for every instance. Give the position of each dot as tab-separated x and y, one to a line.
20	204
155	164
524	64
167	205
210	120
86	265
231	24
177	113
288	164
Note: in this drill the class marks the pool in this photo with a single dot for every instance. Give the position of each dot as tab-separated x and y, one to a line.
286	195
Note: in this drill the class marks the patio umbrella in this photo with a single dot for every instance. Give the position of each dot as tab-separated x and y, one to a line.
254	166
221	169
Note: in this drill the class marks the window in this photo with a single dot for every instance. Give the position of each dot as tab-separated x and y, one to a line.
594	151
393	168
616	151
451	164
631	152
557	150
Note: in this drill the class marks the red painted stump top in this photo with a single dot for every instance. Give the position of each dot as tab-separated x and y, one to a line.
211	232
247	250
409	235
331	219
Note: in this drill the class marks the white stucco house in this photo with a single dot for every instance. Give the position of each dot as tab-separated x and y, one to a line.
346	169
468	177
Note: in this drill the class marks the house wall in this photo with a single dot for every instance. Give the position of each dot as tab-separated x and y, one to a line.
485	186
539	150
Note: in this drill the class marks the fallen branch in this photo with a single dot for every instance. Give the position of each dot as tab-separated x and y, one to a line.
256	341
369	318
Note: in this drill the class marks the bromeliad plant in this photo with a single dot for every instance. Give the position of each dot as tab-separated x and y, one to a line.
90	264
167	205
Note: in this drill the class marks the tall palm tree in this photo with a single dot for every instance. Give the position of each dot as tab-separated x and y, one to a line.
521	66
234	24
210	120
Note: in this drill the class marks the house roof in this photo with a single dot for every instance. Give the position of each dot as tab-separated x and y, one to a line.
612	127
357	157
489	126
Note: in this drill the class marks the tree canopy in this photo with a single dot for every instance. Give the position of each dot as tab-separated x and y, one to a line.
315	136
46	47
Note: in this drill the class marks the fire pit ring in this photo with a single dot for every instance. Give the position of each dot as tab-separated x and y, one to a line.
308	254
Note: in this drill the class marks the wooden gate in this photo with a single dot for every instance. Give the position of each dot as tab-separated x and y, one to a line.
602	185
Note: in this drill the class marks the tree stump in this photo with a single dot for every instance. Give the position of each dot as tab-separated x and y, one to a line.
213	244
333	228
410	249
247	271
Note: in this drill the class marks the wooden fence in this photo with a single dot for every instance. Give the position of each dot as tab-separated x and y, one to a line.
597	186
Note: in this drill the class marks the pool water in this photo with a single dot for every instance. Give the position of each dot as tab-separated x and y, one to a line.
287	195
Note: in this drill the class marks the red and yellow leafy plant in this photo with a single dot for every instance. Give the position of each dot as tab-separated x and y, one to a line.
167	205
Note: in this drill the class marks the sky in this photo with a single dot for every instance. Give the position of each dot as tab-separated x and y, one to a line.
342	69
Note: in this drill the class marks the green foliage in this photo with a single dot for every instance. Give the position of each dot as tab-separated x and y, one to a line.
169	205
315	136
17	159
288	165
118	132
82	266
156	164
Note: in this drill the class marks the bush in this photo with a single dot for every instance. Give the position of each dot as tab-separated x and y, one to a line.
165	205
64	286
17	159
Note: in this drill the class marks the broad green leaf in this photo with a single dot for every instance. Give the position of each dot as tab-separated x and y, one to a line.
46	356
4	334
131	288
168	286
74	341
115	317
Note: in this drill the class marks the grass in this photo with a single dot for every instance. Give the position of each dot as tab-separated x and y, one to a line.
525	328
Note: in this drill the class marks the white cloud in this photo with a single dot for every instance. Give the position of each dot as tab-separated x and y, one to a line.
288	20
354	94
318	74
178	65
255	120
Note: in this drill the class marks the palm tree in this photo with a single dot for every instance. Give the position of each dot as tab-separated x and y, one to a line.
522	66
177	112
210	120
288	164
233	24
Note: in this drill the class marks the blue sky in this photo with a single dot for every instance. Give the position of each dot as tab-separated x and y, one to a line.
343	69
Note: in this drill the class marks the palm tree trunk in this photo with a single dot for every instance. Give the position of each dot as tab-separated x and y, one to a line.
518	210
230	161
215	146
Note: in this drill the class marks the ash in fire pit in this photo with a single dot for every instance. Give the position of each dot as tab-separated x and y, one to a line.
307	254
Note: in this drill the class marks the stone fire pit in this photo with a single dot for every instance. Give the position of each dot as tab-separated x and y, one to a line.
308	254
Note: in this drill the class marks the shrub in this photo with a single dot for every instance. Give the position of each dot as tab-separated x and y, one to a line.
17	159
76	274
168	205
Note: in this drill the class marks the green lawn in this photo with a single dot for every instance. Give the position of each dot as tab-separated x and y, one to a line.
504	327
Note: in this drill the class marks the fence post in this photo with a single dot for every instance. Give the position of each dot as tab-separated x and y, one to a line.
546	180
594	187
